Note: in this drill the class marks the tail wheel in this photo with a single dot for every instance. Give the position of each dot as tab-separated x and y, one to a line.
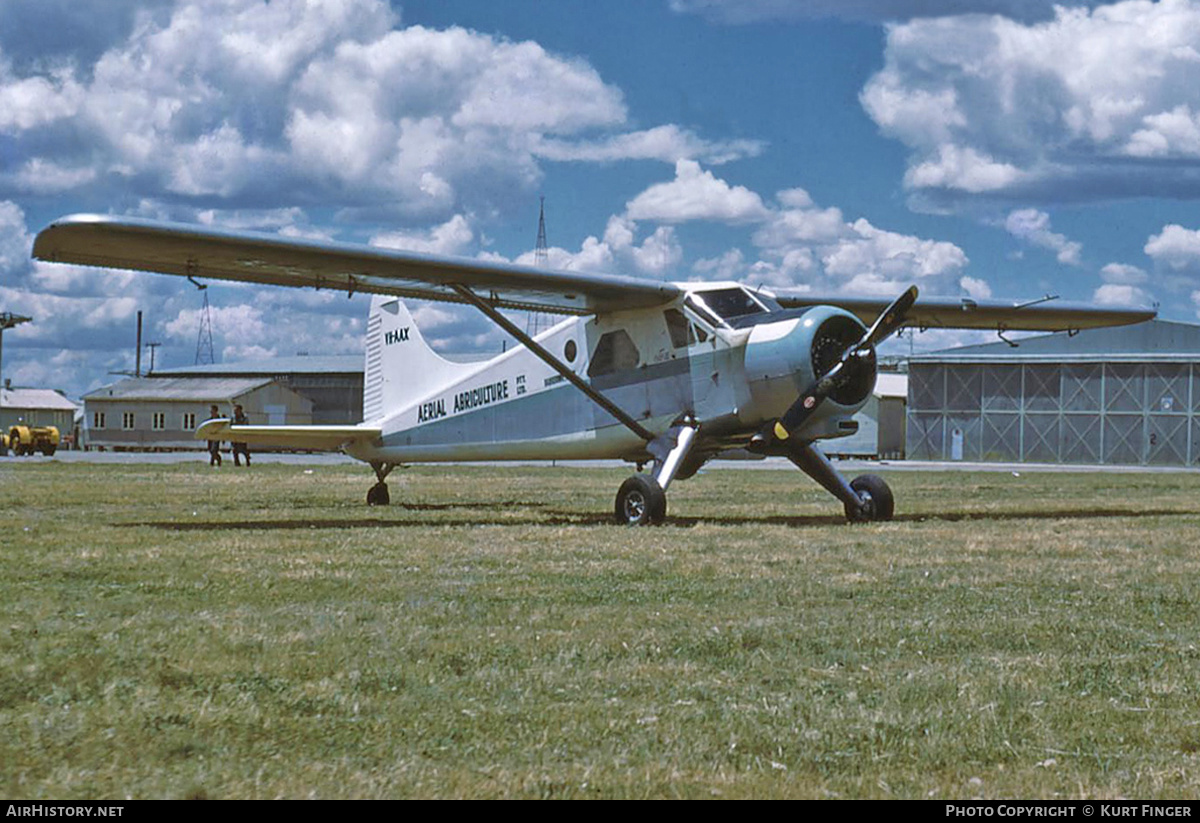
880	504
377	495
640	502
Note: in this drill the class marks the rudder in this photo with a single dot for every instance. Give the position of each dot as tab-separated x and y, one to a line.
401	368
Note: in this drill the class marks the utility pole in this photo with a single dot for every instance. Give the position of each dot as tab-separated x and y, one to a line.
152	347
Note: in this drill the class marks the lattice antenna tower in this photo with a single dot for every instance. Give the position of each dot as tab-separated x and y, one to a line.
541	252
204	344
536	322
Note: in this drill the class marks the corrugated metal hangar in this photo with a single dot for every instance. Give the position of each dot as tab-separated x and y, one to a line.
334	383
1128	395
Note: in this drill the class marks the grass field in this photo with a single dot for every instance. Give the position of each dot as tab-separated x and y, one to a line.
175	631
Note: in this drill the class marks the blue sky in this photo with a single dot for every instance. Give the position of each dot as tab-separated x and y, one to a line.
1002	148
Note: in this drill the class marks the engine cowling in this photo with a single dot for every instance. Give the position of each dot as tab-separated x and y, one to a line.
784	356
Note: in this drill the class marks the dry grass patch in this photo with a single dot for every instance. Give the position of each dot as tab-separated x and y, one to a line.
169	631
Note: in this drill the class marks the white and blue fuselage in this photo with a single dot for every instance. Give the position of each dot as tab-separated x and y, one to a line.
654	364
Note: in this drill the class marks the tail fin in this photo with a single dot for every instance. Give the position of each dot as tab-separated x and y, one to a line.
401	367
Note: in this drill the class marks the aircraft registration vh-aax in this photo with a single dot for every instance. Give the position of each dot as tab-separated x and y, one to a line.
665	375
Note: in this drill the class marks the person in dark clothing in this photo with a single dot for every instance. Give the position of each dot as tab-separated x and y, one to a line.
214	446
240	419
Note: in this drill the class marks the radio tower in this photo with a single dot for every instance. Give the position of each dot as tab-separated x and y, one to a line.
204	346
541	253
541	258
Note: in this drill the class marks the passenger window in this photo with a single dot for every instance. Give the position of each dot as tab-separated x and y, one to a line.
679	328
615	352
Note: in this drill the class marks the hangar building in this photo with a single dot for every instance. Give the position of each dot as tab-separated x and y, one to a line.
333	384
880	423
1127	395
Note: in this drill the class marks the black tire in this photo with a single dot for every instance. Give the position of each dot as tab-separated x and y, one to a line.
640	502
881	505
378	495
48	451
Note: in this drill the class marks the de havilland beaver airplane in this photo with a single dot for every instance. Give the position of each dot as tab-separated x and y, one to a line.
665	374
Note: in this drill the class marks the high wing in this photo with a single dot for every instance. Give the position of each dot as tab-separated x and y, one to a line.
294	437
209	253
966	313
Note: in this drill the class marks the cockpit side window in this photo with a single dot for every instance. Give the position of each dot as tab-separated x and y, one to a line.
696	303
679	328
615	352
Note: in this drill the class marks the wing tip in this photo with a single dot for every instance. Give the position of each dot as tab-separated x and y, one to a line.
212	429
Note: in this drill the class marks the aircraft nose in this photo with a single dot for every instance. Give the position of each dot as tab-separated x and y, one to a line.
779	349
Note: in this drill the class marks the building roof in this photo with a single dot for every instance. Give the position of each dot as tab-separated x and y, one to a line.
34	399
300	364
891	384
1157	340
188	389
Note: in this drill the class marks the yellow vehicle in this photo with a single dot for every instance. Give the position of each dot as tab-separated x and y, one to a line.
25	440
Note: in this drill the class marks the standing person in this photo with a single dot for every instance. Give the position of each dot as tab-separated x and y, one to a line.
240	419
214	446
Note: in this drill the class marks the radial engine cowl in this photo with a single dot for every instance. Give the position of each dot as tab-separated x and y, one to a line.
785	357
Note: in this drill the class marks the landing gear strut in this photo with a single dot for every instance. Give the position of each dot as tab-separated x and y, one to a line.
378	494
642	499
866	497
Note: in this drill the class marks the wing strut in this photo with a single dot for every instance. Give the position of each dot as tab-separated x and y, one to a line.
551	361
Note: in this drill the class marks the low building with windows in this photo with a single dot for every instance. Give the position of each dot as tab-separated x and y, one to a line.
37	407
143	413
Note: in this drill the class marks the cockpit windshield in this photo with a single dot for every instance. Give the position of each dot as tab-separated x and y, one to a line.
725	305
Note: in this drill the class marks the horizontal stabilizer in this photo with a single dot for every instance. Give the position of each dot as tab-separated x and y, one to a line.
325	438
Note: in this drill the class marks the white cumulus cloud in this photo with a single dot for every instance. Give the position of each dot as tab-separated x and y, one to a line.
450	238
254	105
1175	248
1072	106
1033	227
696	194
803	244
756	11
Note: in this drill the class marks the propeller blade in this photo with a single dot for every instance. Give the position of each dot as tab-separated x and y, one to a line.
809	399
884	326
891	319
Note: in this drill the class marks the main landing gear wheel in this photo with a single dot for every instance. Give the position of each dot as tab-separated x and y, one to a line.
378	495
640	502
880	504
